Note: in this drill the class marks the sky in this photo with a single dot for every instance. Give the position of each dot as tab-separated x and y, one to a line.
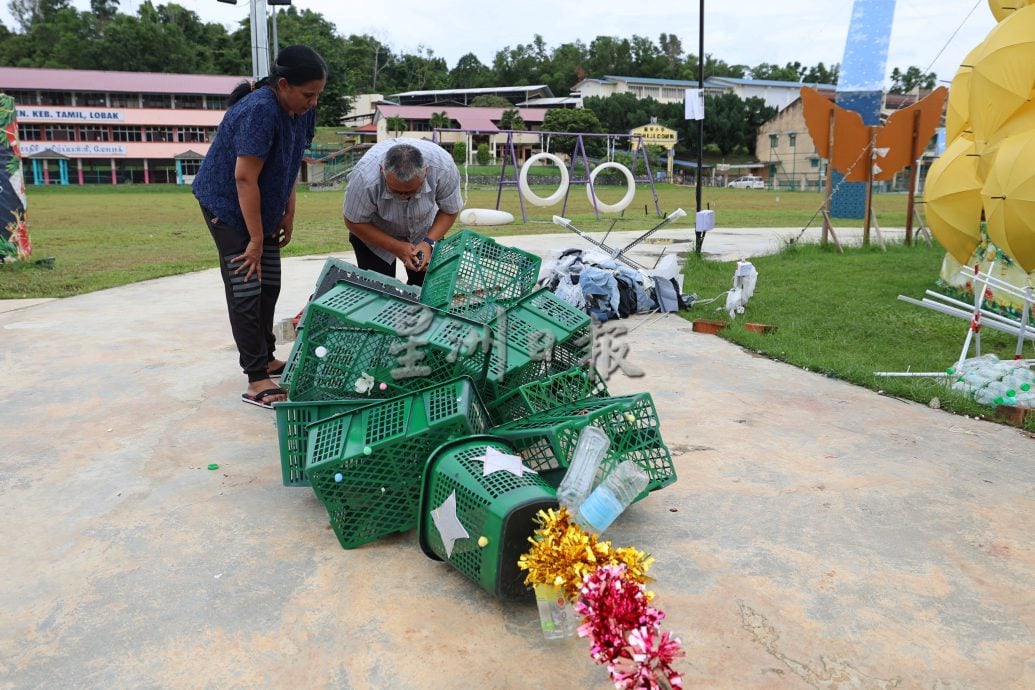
934	35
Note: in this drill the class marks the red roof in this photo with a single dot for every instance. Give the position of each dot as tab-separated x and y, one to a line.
30	78
466	117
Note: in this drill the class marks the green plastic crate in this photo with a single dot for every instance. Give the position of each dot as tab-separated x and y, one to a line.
337	271
293	436
547	439
471	274
402	346
367	465
496	510
539	336
571	385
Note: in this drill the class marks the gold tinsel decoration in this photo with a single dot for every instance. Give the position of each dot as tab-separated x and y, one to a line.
563	554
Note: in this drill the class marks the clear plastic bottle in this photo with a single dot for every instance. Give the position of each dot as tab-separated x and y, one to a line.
615	493
578	480
557	617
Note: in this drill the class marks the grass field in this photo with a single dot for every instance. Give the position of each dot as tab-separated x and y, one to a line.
102	237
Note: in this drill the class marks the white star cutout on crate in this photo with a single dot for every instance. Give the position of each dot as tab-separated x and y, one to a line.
496	461
448	524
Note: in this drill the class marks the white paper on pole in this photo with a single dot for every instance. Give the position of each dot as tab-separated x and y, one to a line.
693	104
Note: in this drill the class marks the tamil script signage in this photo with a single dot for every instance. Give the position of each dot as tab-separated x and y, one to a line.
655	135
75	149
69	115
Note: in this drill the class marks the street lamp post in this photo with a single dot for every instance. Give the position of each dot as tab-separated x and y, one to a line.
700	125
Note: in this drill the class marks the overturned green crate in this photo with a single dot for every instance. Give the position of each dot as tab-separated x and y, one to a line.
547	439
367	465
570	385
471	275
359	342
481	523
293	418
335	271
539	336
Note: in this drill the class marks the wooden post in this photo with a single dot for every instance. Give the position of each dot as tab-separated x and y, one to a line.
828	185
869	187
913	174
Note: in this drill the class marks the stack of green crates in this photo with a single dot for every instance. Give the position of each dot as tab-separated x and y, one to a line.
367	465
388	422
354	332
473	276
497	511
547	439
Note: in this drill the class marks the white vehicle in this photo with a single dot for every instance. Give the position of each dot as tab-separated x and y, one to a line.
747	182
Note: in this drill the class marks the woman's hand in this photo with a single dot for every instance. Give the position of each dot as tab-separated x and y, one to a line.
250	260
287	228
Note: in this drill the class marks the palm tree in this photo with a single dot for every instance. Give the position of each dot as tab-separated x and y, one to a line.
396	124
441	120
511	119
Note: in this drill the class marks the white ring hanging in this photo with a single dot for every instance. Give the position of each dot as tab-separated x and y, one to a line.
629	193
531	196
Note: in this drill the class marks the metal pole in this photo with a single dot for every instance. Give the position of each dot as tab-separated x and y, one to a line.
700	125
276	42
260	40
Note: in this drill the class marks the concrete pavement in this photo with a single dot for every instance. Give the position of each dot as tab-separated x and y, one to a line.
819	536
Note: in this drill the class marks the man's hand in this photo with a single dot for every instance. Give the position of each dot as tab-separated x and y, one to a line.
423	250
407	253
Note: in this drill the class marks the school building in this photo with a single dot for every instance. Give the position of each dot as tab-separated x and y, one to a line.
98	127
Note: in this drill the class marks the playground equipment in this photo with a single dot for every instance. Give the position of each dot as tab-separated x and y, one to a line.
519	177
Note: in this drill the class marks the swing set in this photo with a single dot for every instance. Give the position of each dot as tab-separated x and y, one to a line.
519	177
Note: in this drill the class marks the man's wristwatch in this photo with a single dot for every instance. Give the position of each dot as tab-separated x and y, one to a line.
431	242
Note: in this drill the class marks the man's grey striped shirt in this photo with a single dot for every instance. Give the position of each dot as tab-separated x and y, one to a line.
367	199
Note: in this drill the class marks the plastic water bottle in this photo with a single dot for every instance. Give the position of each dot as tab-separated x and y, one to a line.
578	480
615	493
557	618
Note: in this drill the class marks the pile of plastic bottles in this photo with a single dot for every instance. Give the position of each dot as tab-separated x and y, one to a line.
991	381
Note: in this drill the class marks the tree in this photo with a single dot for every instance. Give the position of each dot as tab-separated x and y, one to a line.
470	73
482	155
574	120
511	119
460	153
488	100
440	120
792	71
819	74
395	125
567	67
911	79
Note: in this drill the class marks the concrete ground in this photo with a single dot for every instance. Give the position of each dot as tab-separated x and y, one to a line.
819	536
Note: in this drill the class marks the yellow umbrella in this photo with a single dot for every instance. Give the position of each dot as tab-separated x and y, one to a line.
1004	72
1009	199
1001	9
1020	122
957	116
953	196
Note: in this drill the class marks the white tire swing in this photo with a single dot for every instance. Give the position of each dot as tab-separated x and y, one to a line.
537	200
531	196
625	200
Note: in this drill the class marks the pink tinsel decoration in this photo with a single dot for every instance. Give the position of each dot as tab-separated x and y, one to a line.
625	632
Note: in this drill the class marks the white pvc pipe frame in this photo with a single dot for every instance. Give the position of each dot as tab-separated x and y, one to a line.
537	200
